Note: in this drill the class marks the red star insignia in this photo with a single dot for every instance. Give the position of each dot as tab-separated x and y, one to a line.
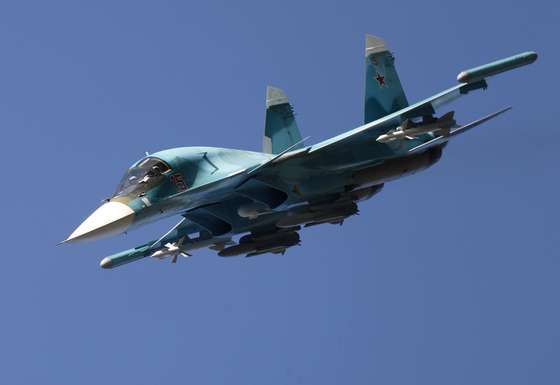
380	79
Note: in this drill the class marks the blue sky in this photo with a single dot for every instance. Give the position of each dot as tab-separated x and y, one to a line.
447	277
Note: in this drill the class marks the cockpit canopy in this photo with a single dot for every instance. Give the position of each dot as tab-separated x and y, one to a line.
142	176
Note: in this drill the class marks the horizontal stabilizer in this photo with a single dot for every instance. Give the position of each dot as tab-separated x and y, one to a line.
459	130
466	127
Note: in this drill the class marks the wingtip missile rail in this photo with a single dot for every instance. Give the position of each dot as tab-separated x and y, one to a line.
478	73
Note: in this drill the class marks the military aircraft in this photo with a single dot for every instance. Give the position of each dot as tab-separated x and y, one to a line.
265	198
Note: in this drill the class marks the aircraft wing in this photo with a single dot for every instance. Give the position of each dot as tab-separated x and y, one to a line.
470	80
316	152
315	156
456	131
424	107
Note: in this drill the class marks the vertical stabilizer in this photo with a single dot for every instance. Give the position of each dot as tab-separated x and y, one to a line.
281	130
384	93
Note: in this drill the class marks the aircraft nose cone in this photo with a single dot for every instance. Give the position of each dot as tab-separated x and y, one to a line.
109	219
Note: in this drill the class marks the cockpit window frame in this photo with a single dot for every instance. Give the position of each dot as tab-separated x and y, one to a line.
147	159
131	183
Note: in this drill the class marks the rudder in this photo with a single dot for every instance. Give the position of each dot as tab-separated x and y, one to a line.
384	93
281	130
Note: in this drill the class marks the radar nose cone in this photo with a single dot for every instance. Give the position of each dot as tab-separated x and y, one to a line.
109	219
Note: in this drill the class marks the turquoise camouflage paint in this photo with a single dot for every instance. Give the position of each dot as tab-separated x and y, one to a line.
211	187
383	92
281	128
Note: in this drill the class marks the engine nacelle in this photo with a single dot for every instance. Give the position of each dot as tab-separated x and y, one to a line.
397	168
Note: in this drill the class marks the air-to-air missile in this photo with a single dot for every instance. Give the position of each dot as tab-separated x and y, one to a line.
410	130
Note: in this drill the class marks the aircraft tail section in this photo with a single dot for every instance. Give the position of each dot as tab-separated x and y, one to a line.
281	130
384	93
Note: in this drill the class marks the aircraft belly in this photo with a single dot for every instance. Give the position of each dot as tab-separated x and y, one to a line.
397	168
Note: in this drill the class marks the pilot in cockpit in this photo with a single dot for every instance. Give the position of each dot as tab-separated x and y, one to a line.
142	176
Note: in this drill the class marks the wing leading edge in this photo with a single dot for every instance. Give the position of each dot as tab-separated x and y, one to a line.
459	130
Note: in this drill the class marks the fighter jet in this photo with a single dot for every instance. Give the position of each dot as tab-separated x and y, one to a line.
239	202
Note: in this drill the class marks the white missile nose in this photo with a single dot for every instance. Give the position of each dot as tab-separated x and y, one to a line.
109	219
383	138
106	263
